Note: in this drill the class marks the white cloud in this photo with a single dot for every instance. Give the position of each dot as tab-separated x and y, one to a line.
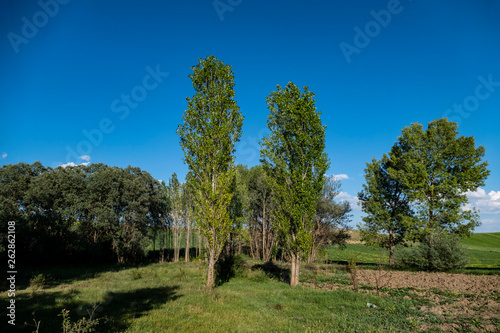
72	164
490	221
494	195
353	200
487	203
480	193
341	176
85	157
4	155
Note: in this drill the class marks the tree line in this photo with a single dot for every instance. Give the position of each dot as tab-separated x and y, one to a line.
80	213
97	213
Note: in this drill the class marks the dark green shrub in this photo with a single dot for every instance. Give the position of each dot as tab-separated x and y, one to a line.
410	257
440	252
38	282
227	267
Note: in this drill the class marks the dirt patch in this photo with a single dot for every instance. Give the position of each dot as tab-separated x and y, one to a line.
456	283
462	301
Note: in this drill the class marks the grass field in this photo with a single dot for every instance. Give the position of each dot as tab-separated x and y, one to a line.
169	297
483	249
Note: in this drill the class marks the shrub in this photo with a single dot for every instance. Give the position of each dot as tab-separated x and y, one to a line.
38	281
227	267
435	253
135	274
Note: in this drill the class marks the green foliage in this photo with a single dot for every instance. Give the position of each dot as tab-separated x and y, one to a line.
435	253
211	126
438	169
38	281
83	325
294	158
227	267
136	274
385	202
84	213
331	218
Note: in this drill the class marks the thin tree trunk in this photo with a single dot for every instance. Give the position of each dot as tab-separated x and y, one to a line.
210	272
293	271
176	244
264	255
391	247
188	235
297	269
198	245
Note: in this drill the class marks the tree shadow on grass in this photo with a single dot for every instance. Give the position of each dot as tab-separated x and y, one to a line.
57	275
122	307
114	314
275	270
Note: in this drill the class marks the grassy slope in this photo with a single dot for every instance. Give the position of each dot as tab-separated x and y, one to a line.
487	240
170	298
484	251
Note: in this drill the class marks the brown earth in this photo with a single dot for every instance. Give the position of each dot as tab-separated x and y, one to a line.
463	301
456	283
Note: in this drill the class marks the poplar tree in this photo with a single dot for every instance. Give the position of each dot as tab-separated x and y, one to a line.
294	158
211	126
176	212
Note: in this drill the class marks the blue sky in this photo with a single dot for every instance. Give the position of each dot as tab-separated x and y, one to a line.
108	81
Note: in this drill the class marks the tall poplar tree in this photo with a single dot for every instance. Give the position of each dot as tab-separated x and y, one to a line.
176	211
211	127
294	158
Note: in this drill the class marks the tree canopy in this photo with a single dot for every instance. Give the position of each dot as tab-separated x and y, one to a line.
89	213
210	127
293	156
439	167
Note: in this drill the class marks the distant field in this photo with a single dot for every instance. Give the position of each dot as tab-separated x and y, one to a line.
484	251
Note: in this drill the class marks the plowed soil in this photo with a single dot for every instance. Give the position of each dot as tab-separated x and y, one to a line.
464	301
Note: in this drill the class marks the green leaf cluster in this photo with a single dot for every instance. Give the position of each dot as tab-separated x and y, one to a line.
210	127
293	156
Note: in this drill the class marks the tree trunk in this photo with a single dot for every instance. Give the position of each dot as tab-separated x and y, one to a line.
297	269
188	236
264	255
210	273
391	247
294	279
198	239
176	244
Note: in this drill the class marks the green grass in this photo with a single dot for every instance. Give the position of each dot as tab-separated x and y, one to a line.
169	297
483	249
486	240
365	254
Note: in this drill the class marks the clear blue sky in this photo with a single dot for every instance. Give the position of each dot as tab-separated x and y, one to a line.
375	66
